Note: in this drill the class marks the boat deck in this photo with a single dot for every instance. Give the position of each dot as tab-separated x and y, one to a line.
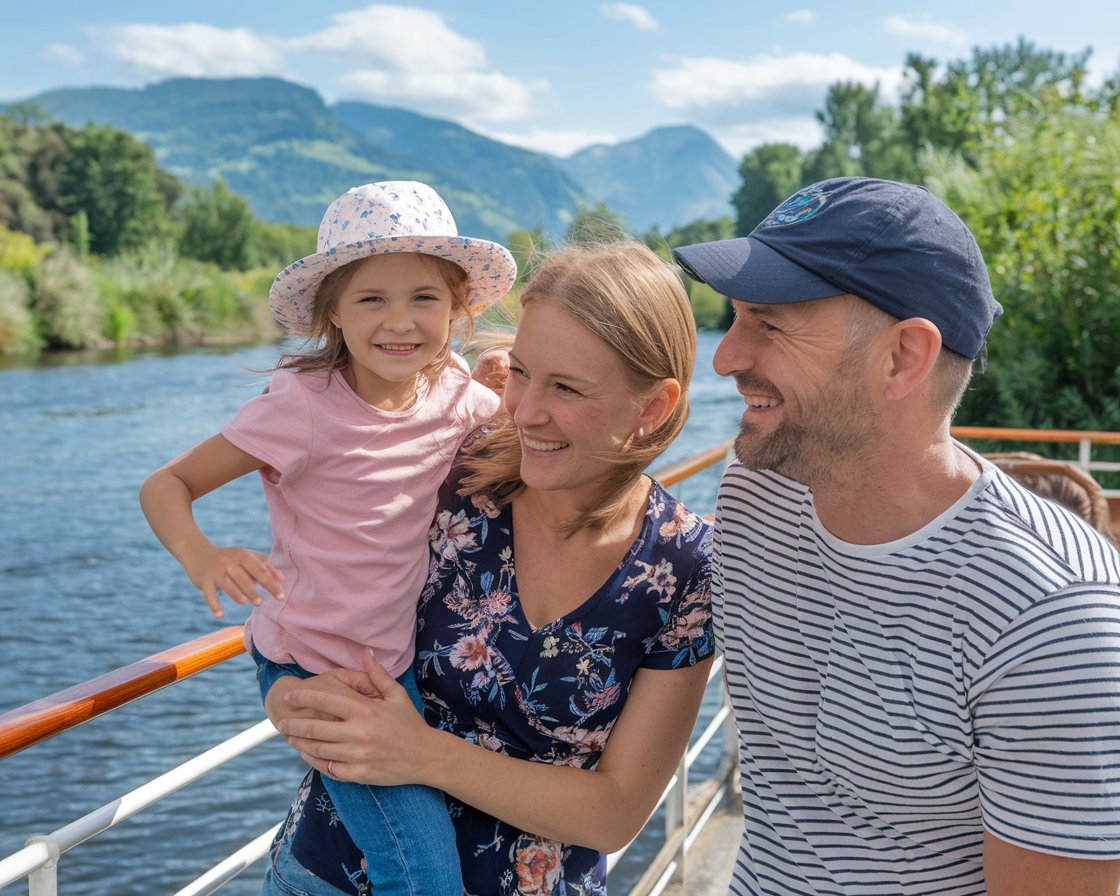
711	857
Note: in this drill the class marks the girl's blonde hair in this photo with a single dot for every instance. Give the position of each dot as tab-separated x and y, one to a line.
331	353
632	300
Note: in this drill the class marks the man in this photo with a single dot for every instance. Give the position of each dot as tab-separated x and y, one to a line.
923	657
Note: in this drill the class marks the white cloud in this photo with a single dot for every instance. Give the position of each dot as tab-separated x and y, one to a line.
394	37
638	16
768	86
193	50
558	143
410	57
485	96
924	29
66	55
739	139
802	17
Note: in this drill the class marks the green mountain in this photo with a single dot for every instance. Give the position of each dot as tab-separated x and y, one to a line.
668	177
517	178
289	154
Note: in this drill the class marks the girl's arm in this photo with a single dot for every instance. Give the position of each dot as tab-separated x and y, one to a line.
166	498
384	741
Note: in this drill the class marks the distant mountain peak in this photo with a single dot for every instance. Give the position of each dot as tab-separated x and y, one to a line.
278	144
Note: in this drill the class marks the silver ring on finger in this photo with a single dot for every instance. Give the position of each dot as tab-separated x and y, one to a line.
330	767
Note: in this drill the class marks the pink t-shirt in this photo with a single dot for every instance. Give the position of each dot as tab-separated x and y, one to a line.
351	492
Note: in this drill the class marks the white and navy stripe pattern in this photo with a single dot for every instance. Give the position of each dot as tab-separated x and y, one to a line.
893	701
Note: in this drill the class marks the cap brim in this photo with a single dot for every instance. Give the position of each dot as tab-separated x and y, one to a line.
750	271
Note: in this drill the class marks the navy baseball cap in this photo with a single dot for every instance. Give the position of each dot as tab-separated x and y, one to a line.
894	245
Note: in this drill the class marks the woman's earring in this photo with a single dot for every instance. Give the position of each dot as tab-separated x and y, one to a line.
641	432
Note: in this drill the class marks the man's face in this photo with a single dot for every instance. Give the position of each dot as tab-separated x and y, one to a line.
805	385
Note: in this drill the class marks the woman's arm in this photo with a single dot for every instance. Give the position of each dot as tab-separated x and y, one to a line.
166	498
386	742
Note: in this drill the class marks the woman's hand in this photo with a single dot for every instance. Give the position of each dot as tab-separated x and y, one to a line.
356	726
338	681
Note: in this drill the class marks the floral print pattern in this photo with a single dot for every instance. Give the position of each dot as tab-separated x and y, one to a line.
548	694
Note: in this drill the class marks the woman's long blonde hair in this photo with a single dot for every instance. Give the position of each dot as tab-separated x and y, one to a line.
328	349
632	300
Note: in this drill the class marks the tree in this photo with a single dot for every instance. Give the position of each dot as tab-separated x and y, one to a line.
944	114
216	226
1044	205
974	100
113	179
711	310
24	151
861	136
771	172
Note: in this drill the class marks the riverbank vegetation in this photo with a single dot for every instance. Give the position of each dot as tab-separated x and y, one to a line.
1027	154
99	246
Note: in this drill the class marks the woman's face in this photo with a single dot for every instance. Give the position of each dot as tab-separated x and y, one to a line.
568	395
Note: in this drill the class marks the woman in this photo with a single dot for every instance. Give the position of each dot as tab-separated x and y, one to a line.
598	625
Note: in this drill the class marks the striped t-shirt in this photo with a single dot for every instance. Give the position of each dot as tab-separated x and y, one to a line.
893	701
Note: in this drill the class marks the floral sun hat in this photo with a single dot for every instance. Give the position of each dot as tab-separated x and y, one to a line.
391	216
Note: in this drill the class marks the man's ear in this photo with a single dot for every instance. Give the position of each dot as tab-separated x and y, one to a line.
914	346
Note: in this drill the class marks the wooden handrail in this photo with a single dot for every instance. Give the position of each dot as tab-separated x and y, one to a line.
27	725
674	473
34	722
1035	435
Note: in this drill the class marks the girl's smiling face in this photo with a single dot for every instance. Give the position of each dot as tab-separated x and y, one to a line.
395	316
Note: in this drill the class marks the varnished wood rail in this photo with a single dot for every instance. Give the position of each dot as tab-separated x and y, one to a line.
34	722
681	470
1006	434
27	725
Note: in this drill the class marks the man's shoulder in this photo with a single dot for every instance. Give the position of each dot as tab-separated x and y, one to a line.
1034	535
746	492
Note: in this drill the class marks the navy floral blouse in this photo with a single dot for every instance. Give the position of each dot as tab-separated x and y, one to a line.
548	694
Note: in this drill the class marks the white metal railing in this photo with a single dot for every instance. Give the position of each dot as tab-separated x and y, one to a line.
686	815
38	860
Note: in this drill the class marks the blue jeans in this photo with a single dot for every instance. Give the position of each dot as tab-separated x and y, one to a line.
404	832
285	876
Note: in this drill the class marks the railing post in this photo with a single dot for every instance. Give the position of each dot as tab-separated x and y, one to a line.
43	881
1084	454
676	815
730	731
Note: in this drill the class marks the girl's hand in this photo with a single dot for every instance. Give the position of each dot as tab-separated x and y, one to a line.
237	572
337	681
373	740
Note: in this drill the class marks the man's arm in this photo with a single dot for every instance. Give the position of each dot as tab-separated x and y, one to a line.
1014	871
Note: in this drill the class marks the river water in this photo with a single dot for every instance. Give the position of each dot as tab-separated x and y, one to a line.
85	588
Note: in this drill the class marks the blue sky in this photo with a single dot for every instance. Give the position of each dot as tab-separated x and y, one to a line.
554	76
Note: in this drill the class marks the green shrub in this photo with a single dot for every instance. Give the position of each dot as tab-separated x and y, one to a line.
120	324
19	252
708	306
65	298
17	326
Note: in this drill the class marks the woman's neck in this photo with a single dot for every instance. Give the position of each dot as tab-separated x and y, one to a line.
560	511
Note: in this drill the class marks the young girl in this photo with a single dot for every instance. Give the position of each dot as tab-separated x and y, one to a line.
352	441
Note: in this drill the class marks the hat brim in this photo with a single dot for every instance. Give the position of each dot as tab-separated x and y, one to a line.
747	269
490	268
